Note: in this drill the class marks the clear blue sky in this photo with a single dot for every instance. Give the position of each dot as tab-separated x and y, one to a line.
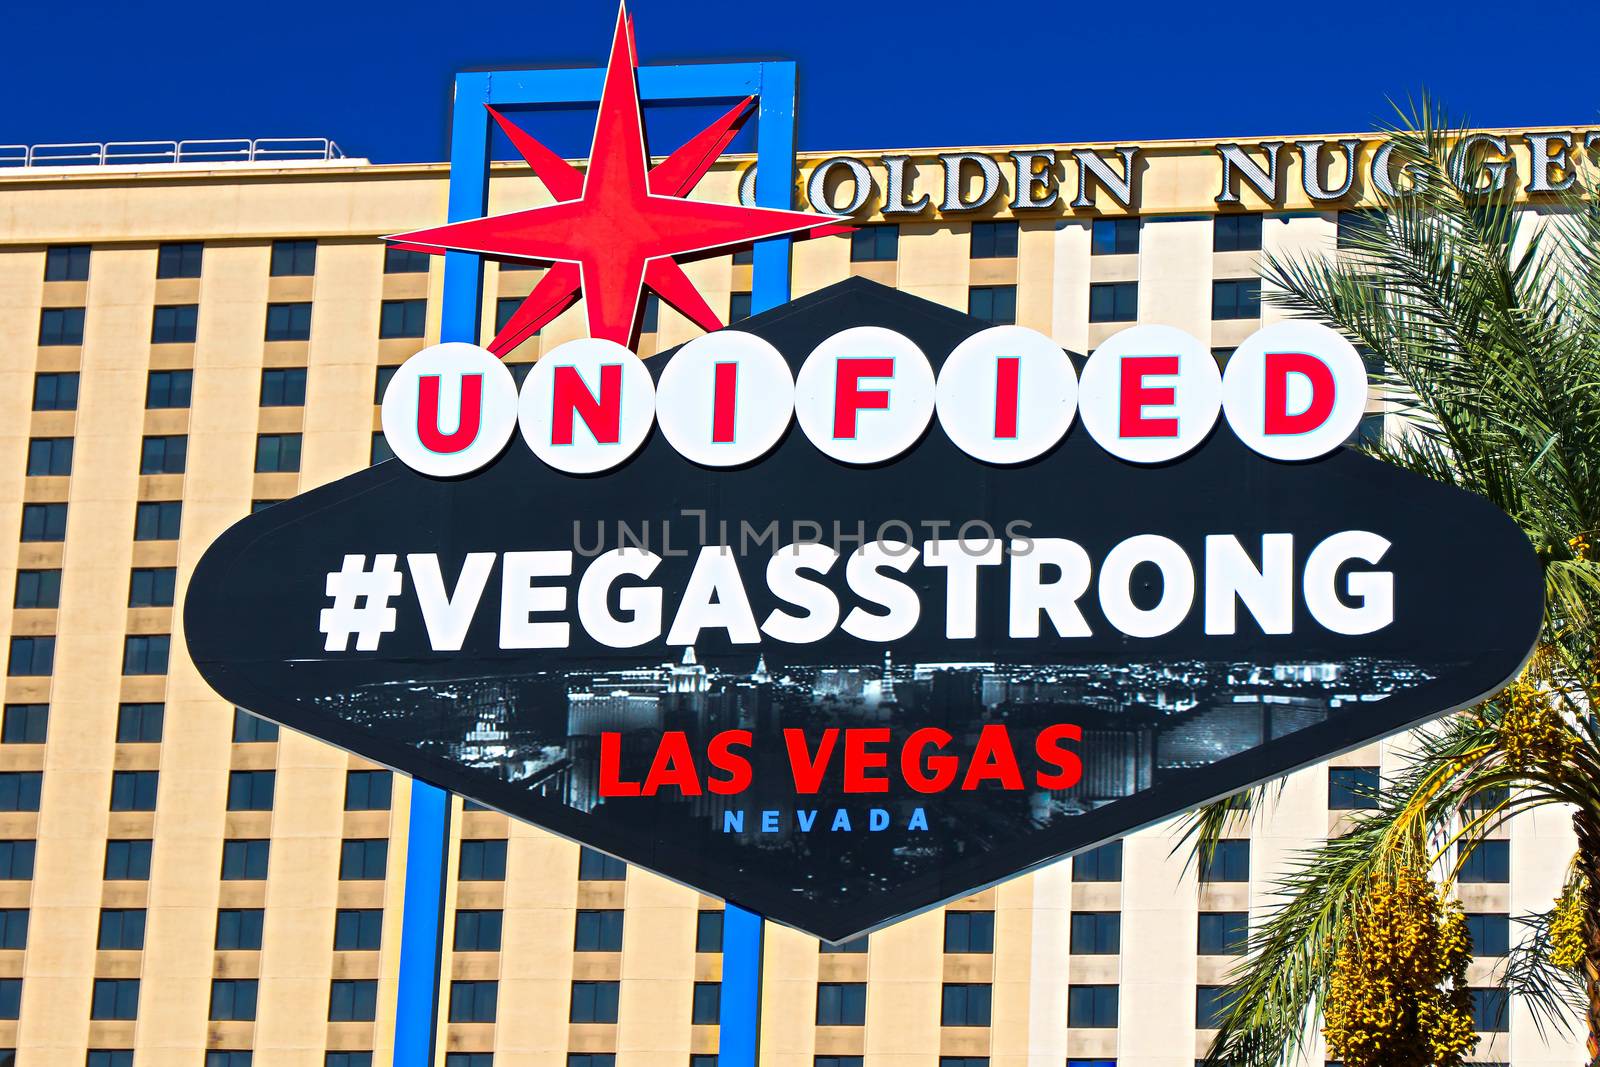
375	77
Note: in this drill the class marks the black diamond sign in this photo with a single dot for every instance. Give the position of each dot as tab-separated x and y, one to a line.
839	784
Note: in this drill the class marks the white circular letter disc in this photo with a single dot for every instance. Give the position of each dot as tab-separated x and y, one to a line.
1007	394
587	406
1150	394
449	409
725	398
864	395
1295	390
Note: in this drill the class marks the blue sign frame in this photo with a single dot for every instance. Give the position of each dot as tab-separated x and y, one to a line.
428	828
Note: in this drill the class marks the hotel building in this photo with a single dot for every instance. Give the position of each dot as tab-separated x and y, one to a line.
185	885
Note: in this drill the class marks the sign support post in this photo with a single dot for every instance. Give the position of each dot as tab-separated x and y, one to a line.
428	827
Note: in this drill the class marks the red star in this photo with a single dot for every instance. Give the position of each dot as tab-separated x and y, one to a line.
616	228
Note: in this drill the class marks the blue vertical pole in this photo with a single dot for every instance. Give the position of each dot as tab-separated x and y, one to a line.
740	1016
428	826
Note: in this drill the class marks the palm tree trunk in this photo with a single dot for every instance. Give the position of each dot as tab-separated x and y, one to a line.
1589	863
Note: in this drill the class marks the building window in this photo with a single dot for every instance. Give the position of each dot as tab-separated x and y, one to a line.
381	451
126	861
60	326
164	455
963	1061
55	391
1229	861
174	324
140	723
1352	788
152	587
134	790
239	929
229	1057
364	859
277	453
245	860
38	589
14	928
744	257
482	861
474	1002
1357	229
368	790
248	728
32	656
650	322
1114	237
836	1061
251	790
66	263
965	1004
157	520
25	724
146	654
1490	1011
349	1059
49	457
402	318
595	866
294	258
1212	1004
115	998
1238	298
1222	355
233	999
1113	302
1236	233
358	930
479	931
179	260
404	261
855	946
598	931
994	240
1223	933
738	306
288	322
385	376
168	389
841	1004
1103	864
504	308
1369	433
16	860
968	931
874	244
1096	933
98	1057
486	1059
994	304
708	931
1490	933
121	929
353	1001
592	1002
1092	1006
44	522
19	790
1488	862
707	1006
283	387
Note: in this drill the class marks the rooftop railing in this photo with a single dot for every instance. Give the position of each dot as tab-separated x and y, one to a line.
148	153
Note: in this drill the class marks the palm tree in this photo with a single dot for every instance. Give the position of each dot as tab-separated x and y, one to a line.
1486	321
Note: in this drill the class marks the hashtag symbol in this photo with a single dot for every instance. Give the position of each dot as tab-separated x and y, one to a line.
361	602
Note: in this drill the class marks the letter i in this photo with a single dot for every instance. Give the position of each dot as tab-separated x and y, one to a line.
724	402
1007	390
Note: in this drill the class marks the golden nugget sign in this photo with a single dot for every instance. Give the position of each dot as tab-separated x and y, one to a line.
1328	172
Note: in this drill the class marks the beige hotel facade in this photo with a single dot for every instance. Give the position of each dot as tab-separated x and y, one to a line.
182	885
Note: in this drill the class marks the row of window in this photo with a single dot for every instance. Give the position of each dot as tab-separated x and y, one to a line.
164	389
276	453
28	724
182	259
149	587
